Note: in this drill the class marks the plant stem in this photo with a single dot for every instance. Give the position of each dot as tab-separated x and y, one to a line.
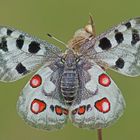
99	131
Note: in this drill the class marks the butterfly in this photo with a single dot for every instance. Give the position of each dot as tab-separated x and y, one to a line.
72	84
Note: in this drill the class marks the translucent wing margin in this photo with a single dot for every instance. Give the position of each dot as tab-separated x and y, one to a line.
118	48
21	53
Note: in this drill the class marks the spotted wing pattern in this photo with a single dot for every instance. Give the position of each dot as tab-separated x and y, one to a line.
98	102
39	103
118	48
21	53
101	103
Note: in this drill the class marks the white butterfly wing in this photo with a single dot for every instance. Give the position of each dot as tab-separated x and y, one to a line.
40	104
101	102
21	53
118	48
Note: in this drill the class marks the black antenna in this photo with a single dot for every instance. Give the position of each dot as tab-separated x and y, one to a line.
51	36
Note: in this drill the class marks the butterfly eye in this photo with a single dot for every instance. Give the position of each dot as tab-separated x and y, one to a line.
62	60
77	60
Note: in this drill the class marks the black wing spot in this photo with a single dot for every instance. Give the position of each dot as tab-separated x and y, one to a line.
119	37
128	25
3	44
105	43
21	69
135	37
120	63
9	32
116	30
34	47
20	41
89	107
52	108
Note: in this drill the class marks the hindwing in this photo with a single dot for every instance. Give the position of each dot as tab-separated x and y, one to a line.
40	103
101	103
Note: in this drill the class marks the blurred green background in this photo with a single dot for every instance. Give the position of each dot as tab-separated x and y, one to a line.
61	18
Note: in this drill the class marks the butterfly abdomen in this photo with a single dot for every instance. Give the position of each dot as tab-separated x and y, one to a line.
69	86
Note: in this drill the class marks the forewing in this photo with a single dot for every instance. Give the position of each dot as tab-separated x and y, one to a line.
118	48
21	53
40	103
101	103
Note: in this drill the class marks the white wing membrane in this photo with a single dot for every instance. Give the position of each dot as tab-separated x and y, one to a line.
96	101
103	107
21	53
39	103
118	48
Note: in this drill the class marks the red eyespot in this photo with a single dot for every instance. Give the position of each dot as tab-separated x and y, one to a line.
35	81
74	111
104	80
103	105
81	110
65	111
38	106
58	110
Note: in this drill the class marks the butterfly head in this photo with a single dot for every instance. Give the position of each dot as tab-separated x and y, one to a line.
70	59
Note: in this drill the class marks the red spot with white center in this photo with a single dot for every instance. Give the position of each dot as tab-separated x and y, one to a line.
36	81
104	80
38	106
103	105
81	110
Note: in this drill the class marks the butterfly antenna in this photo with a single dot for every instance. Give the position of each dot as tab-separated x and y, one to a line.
99	131
51	36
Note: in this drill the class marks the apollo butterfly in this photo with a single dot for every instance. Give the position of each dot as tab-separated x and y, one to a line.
72	84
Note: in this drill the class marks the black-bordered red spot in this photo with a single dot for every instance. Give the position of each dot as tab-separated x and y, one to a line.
36	81
38	106
104	80
81	110
103	105
58	110
65	111
74	111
